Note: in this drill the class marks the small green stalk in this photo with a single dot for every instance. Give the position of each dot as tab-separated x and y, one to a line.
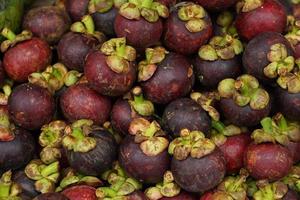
88	22
219	126
146	3
7	33
50	169
266	123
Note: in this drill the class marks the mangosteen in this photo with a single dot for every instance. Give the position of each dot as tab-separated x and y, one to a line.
165	76
80	192
17	66
81	102
268	191
181	196
2	73
18	145
185	113
112	70
26	185
168	3
131	106
187	28
51	196
45	176
291	195
224	24
47	22
233	142
76	8
145	150
31	106
90	150
243	101
216	5
120	186
74	46
292	35
268	56
140	22
198	159
256	17
218	59
8	188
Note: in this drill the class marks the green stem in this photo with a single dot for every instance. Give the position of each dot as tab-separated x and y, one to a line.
50	169
108	192
121	49
4	190
282	123
7	33
7	90
4	120
139	99
219	126
267	125
78	133
88	22
151	130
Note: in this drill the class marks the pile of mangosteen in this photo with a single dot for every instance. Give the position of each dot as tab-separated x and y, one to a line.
151	100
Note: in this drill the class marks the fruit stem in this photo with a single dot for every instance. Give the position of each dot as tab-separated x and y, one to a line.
150	132
267	125
282	123
50	169
71	77
4	190
120	48
6	134
78	133
219	126
7	33
88	22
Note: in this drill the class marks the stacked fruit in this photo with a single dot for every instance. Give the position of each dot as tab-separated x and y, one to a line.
150	100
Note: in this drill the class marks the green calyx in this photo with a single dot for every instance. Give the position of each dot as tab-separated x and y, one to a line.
205	101
221	47
280	62
72	77
225	21
118	54
52	134
87	26
270	191
76	137
6	128
148	9
290	81
191	143
148	66
293	35
245	90
50	154
107	125
142	106
103	6
45	176
194	17
167	188
120	185
277	129
73	178
13	39
220	132
293	178
6	91
235	187
8	189
149	136
249	5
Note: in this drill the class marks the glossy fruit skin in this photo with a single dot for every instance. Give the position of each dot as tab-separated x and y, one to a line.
105	81
181	196
172	79
218	69
185	113
139	33
80	192
178	39
121	116
137	195
2	73
27	185
291	195
47	22
294	148
271	16
297	50
16	153
216	5
104	22
97	160
76	8
31	106
255	55
268	161
38	56
288	103
287	5
206	172
73	48
51	196
81	102
233	150
136	163
242	116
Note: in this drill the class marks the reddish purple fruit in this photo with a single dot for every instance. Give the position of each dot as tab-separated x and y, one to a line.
291	195
184	34
137	195
2	73
256	18
268	161
81	192
51	196
82	102
294	148
168	3
104	22
216	5
31	106
181	196
135	162
47	22
38	56
73	48
76	8
185	113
